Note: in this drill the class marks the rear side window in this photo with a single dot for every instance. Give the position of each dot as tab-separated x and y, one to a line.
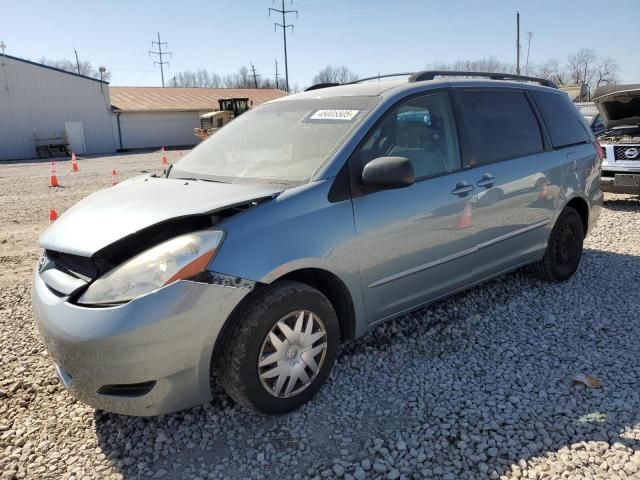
502	125
563	121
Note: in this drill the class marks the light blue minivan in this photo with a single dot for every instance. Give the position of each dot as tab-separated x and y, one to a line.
302	224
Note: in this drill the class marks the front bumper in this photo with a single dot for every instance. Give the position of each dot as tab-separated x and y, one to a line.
164	339
628	183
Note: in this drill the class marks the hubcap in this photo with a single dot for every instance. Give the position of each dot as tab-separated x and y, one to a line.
292	354
567	245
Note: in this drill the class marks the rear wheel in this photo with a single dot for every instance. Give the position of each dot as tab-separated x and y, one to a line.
564	249
281	349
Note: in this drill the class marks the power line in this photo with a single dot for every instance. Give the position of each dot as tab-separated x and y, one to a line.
284	27
529	37
160	53
254	75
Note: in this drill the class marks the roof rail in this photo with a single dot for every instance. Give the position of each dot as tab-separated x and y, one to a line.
321	85
325	85
387	75
431	74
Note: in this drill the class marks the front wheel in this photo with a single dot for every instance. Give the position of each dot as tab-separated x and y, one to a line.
564	249
281	349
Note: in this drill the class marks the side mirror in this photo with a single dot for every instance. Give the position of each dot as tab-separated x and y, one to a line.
388	172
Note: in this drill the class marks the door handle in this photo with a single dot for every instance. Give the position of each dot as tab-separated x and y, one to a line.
572	162
462	188
486	181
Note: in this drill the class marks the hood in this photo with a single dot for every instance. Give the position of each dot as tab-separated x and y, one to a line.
109	215
619	105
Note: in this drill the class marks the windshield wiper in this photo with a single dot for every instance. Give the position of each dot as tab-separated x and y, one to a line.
195	179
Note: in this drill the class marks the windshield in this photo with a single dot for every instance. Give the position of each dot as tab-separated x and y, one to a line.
283	142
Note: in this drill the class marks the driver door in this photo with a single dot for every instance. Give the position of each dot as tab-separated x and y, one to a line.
416	243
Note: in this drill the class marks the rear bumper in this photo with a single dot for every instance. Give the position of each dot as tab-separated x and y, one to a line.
163	340
628	183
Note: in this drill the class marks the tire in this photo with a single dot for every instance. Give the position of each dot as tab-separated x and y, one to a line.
564	249
237	366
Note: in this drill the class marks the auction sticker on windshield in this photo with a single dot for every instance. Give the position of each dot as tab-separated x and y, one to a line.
346	115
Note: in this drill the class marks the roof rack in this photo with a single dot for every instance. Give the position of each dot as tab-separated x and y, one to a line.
431	74
325	85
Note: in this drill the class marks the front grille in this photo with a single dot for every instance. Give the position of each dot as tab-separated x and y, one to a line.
621	152
80	267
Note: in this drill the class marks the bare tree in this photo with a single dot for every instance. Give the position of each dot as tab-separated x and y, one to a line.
606	72
240	79
552	70
331	74
200	78
488	64
582	67
86	68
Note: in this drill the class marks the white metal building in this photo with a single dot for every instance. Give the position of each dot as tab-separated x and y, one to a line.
149	117
38	102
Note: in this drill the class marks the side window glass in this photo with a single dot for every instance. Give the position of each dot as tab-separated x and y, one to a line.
422	130
501	125
562	118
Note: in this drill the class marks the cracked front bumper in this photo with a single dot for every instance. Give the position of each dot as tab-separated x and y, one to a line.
164	339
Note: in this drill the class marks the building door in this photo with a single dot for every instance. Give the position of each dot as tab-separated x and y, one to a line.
75	136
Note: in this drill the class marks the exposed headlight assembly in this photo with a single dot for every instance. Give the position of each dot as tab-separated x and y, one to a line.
176	259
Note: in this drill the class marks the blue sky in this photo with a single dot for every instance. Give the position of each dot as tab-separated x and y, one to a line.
369	36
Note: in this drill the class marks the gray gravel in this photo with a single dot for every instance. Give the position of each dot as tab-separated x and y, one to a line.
477	386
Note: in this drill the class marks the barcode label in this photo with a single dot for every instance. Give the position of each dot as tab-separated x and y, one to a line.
334	115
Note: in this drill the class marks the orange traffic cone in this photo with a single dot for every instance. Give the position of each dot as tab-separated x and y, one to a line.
74	162
53	215
53	178
542	195
114	177
180	155
465	219
164	157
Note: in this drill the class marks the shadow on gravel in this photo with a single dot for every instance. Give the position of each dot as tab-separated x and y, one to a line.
476	386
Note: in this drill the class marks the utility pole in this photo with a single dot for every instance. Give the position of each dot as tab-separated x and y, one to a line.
284	27
277	81
160	54
77	61
529	37
255	75
517	43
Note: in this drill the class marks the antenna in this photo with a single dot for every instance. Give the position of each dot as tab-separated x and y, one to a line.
284	27
160	53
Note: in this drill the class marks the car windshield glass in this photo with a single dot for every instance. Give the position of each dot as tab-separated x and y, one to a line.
283	142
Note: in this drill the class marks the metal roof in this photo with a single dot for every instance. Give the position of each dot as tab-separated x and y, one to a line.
172	99
18	59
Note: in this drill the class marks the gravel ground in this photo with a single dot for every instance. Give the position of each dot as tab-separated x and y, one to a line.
477	386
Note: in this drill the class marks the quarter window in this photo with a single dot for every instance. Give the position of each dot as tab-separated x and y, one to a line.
563	121
422	130
501	124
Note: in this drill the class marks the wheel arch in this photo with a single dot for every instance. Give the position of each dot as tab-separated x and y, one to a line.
329	284
332	287
580	205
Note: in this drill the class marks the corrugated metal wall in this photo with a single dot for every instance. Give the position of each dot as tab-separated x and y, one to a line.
156	129
35	100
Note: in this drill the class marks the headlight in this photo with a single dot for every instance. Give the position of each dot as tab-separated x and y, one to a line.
176	259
